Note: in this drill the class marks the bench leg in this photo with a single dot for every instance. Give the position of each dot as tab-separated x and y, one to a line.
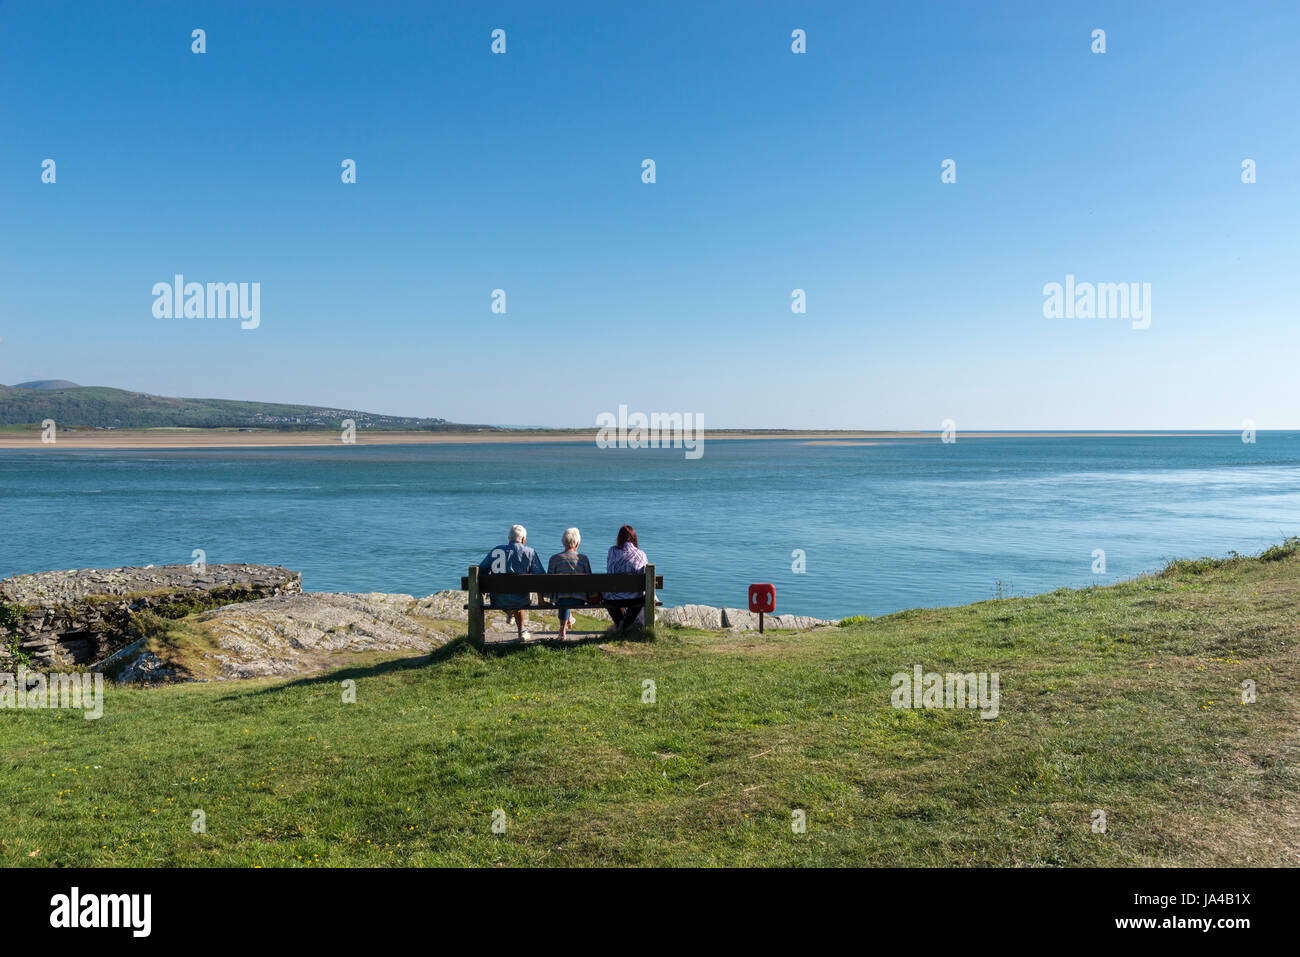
649	598
476	625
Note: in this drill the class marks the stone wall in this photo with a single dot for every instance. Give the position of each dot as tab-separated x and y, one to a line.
79	617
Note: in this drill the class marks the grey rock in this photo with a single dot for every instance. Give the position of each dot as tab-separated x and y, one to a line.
742	619
293	634
450	606
147	668
444	606
705	617
799	622
739	619
53	590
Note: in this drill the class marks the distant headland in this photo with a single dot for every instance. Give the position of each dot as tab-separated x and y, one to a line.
100	417
72	406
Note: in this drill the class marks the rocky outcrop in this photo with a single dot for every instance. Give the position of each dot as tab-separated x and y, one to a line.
82	616
301	633
244	621
705	617
292	634
149	668
741	619
444	606
450	606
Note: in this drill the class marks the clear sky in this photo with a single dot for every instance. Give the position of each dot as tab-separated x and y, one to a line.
775	171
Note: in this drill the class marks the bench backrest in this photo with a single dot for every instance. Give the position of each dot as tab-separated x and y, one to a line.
549	584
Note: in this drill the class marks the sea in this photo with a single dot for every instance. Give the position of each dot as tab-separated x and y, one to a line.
838	529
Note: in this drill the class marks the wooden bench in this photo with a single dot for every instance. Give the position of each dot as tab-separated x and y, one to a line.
479	584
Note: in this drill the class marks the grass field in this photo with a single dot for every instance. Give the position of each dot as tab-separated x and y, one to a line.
1126	699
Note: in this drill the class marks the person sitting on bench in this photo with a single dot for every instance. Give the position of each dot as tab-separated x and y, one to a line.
625	558
513	558
568	562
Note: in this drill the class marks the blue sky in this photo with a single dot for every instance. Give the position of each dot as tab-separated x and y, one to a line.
775	171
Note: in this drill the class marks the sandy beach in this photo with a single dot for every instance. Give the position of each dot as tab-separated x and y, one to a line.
161	439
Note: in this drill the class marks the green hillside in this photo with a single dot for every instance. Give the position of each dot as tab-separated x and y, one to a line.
101	407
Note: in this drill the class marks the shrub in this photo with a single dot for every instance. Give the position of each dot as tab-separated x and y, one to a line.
9	616
1288	548
146	624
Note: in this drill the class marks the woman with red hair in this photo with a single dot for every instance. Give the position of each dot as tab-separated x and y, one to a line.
625	558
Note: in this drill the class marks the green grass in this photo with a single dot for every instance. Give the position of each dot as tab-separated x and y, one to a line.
1125	698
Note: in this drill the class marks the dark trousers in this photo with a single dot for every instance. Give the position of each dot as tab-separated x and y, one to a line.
625	615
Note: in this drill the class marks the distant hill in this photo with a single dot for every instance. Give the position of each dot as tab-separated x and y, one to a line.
72	405
48	384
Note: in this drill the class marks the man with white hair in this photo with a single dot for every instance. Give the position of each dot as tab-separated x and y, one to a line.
513	558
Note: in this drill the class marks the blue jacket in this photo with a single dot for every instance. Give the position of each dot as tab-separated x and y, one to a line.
511	559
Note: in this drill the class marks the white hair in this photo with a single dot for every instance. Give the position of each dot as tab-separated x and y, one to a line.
518	533
571	538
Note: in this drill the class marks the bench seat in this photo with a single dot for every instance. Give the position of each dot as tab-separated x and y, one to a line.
480	586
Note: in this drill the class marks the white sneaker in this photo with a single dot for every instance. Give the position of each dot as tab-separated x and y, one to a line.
525	636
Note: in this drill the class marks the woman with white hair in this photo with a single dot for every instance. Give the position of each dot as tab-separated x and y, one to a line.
568	562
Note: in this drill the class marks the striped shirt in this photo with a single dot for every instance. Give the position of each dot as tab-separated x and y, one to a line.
569	563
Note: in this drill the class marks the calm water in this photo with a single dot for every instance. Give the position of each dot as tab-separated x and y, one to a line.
883	527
